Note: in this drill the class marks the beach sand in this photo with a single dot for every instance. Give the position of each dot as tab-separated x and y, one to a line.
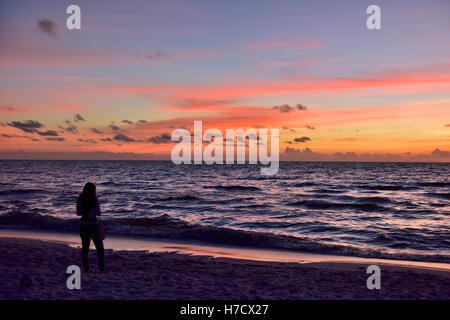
144	275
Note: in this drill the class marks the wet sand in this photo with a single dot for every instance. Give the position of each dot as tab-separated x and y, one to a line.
150	275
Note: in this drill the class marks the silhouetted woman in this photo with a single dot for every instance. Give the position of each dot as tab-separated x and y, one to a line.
88	207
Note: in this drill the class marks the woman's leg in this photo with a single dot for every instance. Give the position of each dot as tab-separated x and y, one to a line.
100	250
85	243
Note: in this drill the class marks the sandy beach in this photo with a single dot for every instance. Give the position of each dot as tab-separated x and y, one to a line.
150	275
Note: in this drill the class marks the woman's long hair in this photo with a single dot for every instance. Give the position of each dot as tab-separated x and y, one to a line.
87	199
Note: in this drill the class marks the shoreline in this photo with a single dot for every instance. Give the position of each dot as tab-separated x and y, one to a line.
139	274
198	248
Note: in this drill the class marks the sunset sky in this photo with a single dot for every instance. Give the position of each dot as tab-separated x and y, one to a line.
139	69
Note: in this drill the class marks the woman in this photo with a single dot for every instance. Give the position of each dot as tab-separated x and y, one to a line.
88	207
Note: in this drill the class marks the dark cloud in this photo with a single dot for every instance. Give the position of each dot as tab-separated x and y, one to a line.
292	154
299	140
4	135
285	108
302	139
127	121
78	118
300	107
123	138
438	153
52	133
106	139
292	150
87	140
114	127
28	126
310	127
55	139
142	122
162	138
96	131
156	55
47	26
17	136
71	128
242	140
254	137
290	129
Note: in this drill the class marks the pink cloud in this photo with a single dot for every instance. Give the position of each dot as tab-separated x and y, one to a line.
39	109
273	87
302	44
29	54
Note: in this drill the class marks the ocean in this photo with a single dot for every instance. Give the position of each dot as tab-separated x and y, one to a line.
381	210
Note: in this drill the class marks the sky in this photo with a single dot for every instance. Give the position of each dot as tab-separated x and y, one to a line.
137	70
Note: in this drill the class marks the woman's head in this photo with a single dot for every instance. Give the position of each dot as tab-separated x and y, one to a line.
87	199
89	190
